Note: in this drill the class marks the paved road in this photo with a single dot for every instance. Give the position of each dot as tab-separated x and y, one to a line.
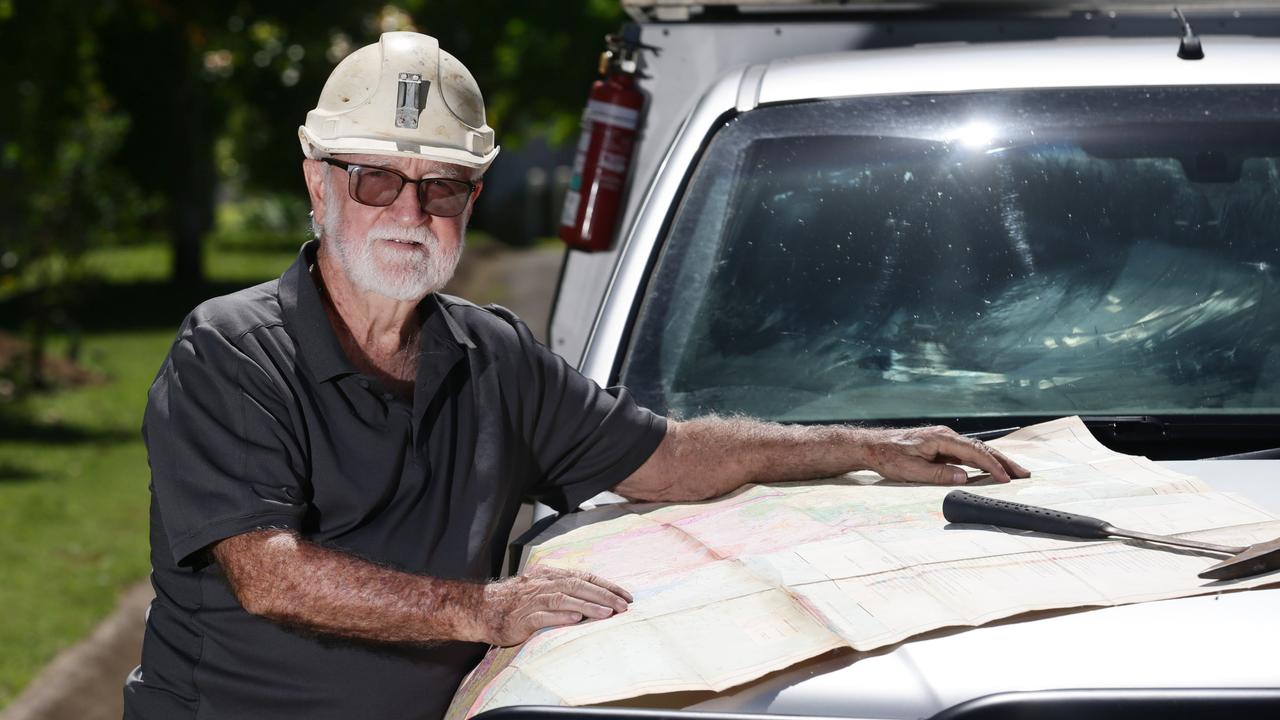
522	281
83	682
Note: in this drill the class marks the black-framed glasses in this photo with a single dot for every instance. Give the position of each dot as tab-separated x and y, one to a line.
379	187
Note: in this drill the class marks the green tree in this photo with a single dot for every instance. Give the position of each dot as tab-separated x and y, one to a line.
61	191
132	114
533	61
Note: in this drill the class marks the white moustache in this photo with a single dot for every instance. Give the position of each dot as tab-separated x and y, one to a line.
418	235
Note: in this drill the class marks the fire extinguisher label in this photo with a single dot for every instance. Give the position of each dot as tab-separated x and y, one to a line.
569	215
613	162
610	114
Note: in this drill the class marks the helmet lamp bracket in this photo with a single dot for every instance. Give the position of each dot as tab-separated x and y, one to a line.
411	98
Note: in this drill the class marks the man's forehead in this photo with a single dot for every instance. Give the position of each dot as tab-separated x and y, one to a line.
413	167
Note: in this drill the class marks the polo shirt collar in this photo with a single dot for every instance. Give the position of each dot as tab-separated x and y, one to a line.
308	323
456	331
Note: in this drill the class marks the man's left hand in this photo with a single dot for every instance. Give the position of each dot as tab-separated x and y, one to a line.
926	455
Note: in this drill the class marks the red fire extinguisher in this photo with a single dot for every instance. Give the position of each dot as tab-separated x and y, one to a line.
603	157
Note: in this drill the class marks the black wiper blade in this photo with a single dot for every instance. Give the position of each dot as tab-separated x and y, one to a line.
1183	425
985	435
1127	425
1151	427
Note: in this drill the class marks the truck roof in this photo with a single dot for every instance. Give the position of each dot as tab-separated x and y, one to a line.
1062	63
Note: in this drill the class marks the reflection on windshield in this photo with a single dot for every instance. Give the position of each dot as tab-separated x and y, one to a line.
887	258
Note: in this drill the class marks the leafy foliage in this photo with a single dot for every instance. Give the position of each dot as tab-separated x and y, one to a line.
60	190
131	117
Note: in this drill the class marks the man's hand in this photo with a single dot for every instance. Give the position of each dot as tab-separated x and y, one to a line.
707	457
517	607
278	575
922	455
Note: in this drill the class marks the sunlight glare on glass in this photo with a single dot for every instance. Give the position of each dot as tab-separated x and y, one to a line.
976	135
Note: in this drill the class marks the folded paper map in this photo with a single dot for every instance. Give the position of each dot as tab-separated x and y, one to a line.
730	589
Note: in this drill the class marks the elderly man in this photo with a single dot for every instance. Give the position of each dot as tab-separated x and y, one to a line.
338	456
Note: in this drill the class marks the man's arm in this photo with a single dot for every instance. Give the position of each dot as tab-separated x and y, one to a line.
708	457
279	576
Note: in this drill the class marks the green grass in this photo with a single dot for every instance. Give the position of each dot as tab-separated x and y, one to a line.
73	508
226	261
73	472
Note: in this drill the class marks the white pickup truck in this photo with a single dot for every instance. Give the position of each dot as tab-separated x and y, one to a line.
846	212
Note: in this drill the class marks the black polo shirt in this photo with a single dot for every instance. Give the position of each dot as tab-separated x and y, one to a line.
258	419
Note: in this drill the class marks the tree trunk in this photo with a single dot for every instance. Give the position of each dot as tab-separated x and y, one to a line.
192	203
39	334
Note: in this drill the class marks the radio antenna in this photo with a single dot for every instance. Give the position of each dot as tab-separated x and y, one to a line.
1189	48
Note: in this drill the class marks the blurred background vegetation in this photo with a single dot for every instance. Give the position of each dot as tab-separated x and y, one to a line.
149	159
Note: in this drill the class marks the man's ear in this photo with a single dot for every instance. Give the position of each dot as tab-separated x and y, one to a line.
313	173
471	206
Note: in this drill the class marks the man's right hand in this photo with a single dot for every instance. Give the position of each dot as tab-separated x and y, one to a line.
515	608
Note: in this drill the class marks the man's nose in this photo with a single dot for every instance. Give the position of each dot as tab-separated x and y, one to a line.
406	209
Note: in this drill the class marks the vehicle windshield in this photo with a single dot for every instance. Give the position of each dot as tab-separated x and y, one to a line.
1029	253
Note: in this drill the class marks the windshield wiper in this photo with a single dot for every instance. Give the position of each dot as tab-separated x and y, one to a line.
1183	426
1199	436
985	435
1204	437
1159	437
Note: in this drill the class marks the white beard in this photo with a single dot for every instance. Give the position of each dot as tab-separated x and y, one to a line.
372	266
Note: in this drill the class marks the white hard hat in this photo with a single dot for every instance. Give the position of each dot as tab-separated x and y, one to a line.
401	96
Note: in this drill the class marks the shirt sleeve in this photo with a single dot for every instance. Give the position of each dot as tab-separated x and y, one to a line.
224	458
585	439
